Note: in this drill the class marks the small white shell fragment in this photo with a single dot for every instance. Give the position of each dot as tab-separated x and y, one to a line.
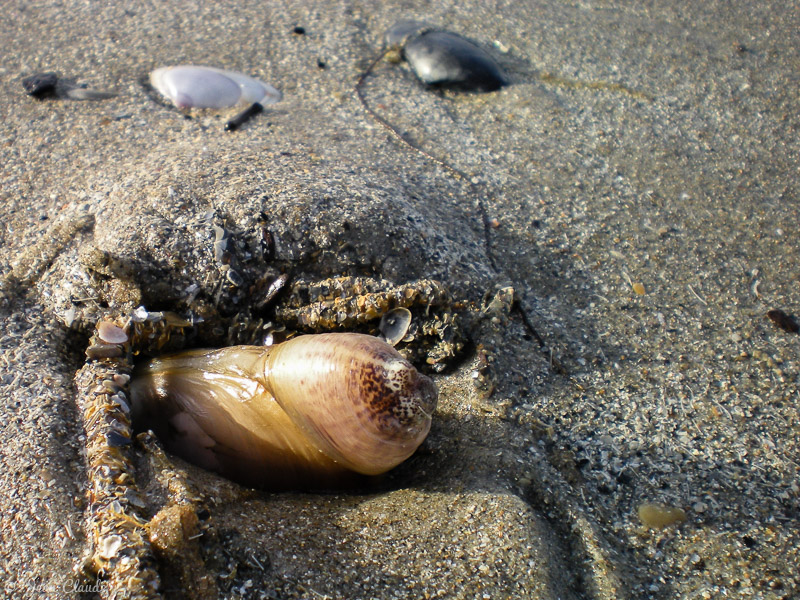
69	316
190	86
110	547
111	334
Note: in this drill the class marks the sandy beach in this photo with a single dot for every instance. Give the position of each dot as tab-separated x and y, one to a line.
633	193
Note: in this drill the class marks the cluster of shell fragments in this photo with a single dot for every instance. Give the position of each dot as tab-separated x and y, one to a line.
432	336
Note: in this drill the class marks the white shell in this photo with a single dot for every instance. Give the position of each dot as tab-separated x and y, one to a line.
189	86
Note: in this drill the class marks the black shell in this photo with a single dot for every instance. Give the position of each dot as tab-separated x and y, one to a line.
445	59
40	85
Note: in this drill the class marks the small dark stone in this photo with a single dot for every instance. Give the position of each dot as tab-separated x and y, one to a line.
748	541
41	85
115	440
700	565
299	30
321	63
243	117
624	477
784	321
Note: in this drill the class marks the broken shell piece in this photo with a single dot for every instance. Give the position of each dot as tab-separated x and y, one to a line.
394	325
445	59
110	547
111	334
189	86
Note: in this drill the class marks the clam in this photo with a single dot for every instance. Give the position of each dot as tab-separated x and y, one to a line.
445	59
313	412
190	86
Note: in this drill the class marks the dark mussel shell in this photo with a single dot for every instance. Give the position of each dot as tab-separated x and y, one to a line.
41	85
446	59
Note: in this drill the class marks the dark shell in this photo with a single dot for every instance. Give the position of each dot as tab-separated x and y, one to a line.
40	85
446	59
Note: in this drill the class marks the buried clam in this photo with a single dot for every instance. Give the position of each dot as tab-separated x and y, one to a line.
191	86
445	59
313	412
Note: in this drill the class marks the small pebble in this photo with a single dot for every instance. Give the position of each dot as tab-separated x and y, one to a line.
784	321
658	516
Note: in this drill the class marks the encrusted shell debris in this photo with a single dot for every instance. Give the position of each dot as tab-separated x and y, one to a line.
190	86
444	58
310	413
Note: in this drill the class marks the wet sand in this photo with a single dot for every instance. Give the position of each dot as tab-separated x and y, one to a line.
636	185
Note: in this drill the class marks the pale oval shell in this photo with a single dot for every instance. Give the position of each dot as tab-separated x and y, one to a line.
111	333
190	86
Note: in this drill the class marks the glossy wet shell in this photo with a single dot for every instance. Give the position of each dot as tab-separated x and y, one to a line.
190	86
306	414
443	58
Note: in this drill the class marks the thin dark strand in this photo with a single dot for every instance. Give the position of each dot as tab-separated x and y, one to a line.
476	187
244	116
391	128
399	136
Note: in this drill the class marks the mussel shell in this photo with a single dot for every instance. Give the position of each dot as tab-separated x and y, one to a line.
40	85
446	59
191	86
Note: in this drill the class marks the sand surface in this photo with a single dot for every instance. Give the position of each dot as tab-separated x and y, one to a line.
636	185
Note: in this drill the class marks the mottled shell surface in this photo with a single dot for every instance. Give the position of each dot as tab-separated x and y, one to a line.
443	58
308	413
190	86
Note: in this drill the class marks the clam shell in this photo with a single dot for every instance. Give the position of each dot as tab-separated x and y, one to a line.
446	59
190	86
313	412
